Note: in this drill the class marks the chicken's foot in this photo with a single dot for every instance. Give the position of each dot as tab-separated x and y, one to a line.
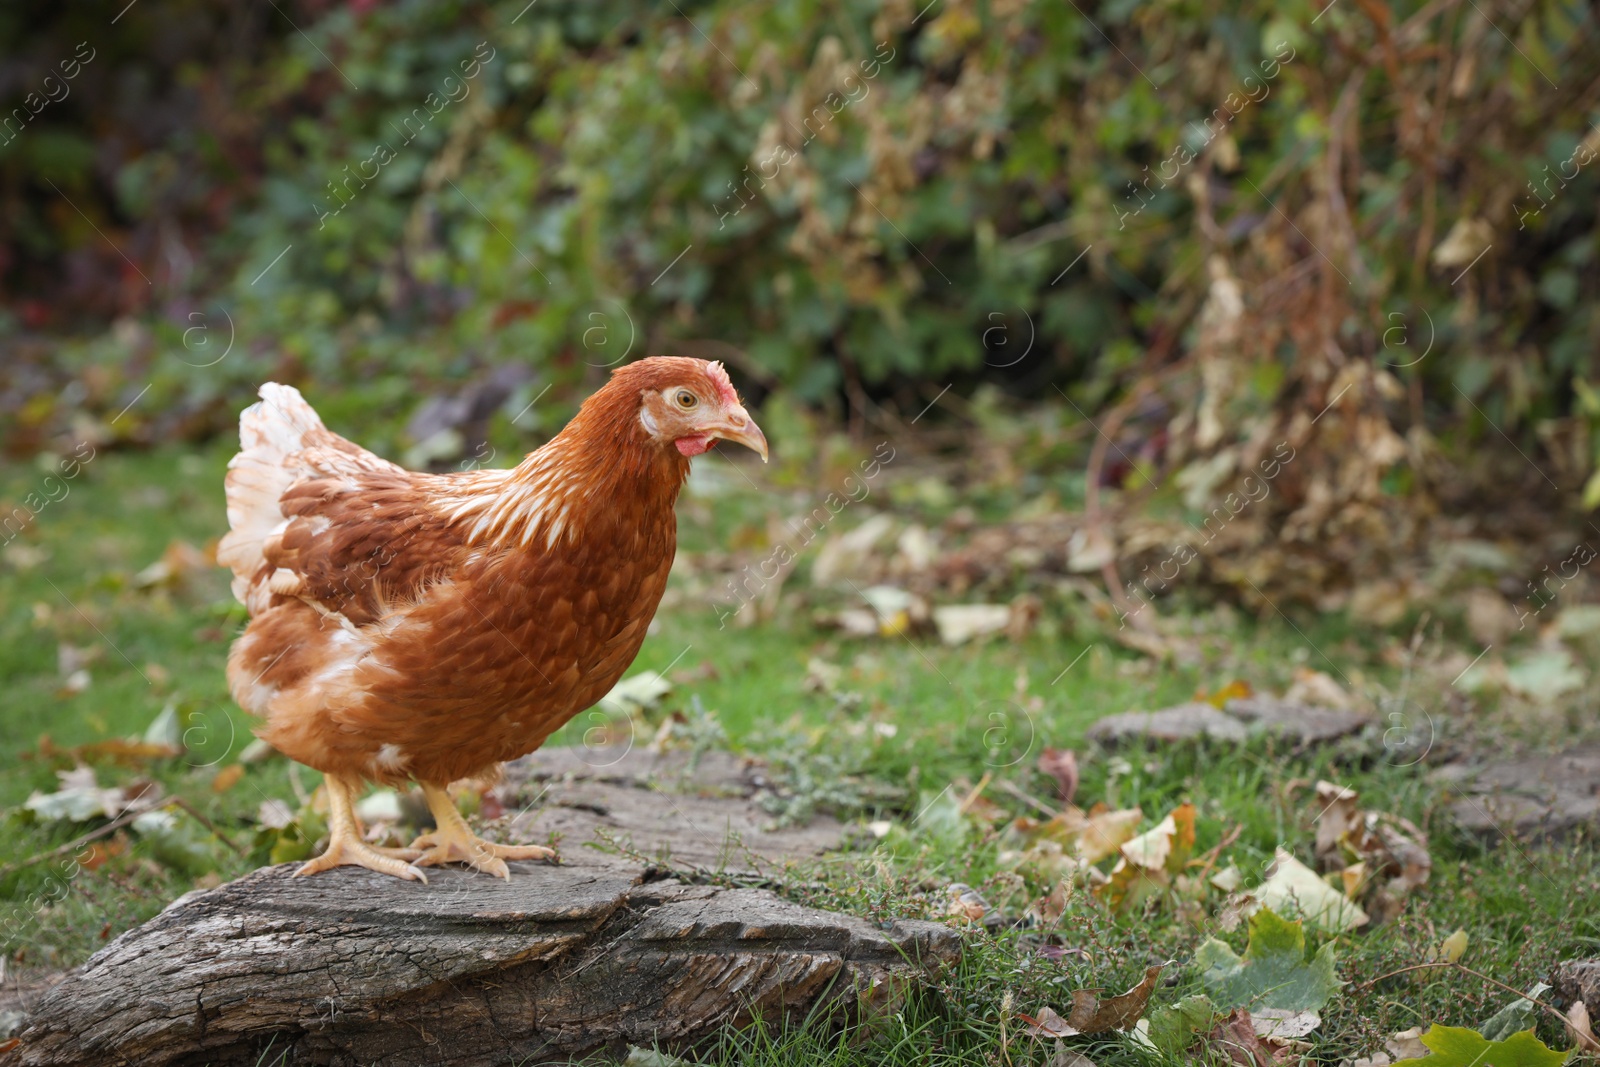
454	842
344	839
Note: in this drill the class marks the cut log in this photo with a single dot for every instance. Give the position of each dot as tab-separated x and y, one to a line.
699	810
1531	797
1301	724
355	968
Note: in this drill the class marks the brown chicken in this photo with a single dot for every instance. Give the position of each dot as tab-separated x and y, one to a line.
430	626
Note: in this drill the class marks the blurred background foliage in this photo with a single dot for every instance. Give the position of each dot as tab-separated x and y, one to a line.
1362	230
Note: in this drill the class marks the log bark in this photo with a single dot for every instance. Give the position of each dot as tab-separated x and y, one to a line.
355	968
700	810
1533	797
1578	980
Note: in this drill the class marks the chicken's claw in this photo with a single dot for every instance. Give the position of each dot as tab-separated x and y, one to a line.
454	842
341	852
475	852
345	845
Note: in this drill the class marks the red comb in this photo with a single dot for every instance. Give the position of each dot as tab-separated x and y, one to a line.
721	382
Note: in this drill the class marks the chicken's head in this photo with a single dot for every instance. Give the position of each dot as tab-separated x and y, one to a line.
690	403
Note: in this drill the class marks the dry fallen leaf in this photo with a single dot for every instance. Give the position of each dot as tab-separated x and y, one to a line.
1066	1057
73	684
1229	879
1162	647
116	750
1284	1024
1062	765
1048	909
1337	815
1236	1038
227	778
846	555
1094	836
1317	689
966	903
899	612
1579	1032
959	623
1091	1015
1381	858
1293	889
71	659
1106	832
822	676
102	851
1047	1024
1150	861
1404	1045
274	814
1089	549
82	799
857	622
178	561
1469	237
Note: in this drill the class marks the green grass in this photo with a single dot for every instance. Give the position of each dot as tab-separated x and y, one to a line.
915	719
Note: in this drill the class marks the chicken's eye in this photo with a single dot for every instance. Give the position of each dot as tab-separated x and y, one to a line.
685	399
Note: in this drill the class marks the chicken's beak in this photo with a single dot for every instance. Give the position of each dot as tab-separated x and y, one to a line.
741	429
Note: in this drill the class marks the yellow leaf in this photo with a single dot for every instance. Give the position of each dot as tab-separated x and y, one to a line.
1131	885
1149	860
1182	838
1354	878
1294	889
1063	828
227	778
1234	690
1591	492
1106	832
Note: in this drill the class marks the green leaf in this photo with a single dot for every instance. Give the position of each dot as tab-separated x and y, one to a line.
297	841
1544	676
1591	492
1457	1046
1273	973
1174	1029
1518	1015
940	818
166	729
1559	288
177	841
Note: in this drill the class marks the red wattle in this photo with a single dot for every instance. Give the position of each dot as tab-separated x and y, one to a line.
694	444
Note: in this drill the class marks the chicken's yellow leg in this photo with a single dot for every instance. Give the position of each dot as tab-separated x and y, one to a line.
454	842
344	839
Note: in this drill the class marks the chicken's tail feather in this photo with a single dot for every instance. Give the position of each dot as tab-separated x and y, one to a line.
270	432
280	420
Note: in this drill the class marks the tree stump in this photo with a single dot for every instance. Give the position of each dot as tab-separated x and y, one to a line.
355	968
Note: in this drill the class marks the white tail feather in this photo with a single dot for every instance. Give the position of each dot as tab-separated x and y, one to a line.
270	432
